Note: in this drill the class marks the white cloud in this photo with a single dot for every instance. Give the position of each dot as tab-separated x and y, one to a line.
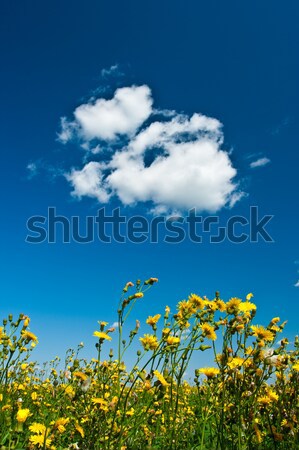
114	69
32	169
67	130
297	284
190	174
259	162
89	182
108	119
175	164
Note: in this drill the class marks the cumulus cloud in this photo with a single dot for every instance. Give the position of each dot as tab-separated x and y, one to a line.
259	162
89	182
175	163
108	119
297	284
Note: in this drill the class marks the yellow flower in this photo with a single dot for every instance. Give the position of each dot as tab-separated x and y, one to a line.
209	372
246	307
23	414
29	336
261	333
60	424
275	320
79	429
272	395
26	321
172	340
232	306
221	305
70	391
208	331
149	342
138	295
249	296
99	401
152	320
39	440
235	362
160	378
80	375
197	301
130	412
37	428
296	366
264	400
102	336
258	434
34	396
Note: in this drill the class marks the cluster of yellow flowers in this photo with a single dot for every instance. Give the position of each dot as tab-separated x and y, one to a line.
248	399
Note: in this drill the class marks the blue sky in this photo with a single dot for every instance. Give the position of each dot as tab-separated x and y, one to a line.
231	62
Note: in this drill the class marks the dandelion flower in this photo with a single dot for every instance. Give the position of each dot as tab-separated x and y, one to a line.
23	414
232	306
209	372
173	340
235	362
296	366
197	301
102	336
37	428
160	377
208	331
261	333
149	342
39	440
79	429
152	320
29	336
247	307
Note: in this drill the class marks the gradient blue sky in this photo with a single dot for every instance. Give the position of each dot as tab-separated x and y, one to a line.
234	61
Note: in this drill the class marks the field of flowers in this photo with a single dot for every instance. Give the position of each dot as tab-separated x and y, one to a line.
247	400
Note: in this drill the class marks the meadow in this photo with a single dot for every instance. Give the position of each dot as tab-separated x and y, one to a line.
246	399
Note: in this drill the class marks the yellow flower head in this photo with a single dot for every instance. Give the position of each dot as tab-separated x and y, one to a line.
232	306
275	320
149	342
247	307
186	308
209	372
172	340
160	378
208	331
82	376
79	429
197	301
221	305
272	395
261	333
23	414
60	424
296	366
39	441
27	335
37	428
102	336
152	320
235	362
